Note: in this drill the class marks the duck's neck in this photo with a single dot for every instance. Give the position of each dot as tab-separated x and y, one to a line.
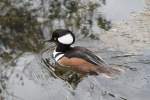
62	48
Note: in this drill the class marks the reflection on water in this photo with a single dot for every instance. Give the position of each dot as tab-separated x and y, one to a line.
30	81
120	9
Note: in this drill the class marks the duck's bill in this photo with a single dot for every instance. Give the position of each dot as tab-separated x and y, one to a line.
48	40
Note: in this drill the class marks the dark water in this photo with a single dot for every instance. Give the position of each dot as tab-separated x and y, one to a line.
115	10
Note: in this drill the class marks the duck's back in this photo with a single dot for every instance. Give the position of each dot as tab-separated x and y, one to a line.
83	53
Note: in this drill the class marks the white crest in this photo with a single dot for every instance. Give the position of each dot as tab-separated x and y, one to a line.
66	39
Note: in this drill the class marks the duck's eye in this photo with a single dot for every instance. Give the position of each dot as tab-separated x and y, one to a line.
55	38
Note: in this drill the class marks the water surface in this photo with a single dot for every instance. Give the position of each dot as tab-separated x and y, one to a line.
115	10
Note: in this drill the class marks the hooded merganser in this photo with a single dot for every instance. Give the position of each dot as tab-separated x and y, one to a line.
77	58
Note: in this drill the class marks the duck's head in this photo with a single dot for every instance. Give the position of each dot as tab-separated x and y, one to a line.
62	36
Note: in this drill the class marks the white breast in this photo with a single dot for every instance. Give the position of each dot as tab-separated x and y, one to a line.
57	55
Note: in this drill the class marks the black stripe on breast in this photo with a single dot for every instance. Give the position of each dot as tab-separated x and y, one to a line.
57	54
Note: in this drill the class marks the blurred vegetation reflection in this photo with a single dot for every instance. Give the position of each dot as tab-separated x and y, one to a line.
21	30
23	25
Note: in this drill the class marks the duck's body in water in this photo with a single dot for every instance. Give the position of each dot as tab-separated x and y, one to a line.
78	58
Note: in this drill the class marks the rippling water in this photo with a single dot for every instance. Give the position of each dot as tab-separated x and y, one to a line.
121	9
31	81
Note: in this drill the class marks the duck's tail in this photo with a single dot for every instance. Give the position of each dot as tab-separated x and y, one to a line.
109	72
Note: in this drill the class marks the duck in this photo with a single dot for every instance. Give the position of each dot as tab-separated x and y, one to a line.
77	58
